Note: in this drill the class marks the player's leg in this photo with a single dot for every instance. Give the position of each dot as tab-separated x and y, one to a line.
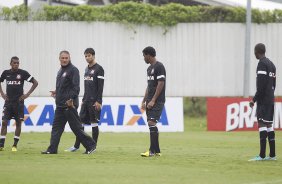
3	134
262	136
262	133
5	118
17	134
19	117
271	133
271	141
57	130
94	118
153	115
83	114
75	125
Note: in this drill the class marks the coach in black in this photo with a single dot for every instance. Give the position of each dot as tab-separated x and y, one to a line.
92	98
154	99
66	94
14	99
264	97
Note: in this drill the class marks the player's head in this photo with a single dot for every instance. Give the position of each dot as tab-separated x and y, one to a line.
64	58
89	55
149	53
259	50
15	62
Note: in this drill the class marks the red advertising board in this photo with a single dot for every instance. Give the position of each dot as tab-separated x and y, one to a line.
234	114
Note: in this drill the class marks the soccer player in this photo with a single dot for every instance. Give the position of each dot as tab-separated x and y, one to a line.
154	99
92	98
66	94
14	99
264	97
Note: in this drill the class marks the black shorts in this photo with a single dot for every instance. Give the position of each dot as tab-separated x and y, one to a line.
88	114
265	113
155	113
13	110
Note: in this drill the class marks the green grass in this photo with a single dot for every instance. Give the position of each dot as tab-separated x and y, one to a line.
194	156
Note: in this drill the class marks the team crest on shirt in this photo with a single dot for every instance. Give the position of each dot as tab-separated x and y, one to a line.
64	74
18	76
92	71
152	71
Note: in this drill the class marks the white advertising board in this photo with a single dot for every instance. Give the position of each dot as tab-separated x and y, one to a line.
118	114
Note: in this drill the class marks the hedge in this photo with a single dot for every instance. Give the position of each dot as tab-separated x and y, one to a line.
140	13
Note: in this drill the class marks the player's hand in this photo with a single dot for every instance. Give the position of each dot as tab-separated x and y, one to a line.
97	106
251	104
70	103
151	104
23	97
53	94
143	106
4	96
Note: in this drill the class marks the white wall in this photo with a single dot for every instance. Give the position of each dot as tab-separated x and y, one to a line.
201	59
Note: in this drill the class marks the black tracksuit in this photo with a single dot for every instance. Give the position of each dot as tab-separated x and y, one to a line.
67	87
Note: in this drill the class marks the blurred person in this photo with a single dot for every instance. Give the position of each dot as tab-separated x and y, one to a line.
154	99
264	97
66	95
92	98
14	99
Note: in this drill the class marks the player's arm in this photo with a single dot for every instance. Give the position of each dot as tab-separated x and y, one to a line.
100	81
74	91
143	105
34	82
274	80
261	81
2	78
4	96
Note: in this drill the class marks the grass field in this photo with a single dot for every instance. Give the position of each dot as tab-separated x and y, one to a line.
194	156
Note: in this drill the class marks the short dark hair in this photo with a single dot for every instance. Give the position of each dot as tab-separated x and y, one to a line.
260	48
89	51
14	58
149	51
64	51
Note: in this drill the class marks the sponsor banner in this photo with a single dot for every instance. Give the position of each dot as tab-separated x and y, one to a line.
118	114
234	114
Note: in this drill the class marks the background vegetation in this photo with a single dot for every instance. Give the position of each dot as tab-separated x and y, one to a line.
140	13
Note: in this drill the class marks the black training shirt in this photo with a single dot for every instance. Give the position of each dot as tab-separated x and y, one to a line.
156	73
15	83
266	82
93	84
67	85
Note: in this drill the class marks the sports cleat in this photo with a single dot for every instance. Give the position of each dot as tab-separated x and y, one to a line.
158	154
257	158
147	154
90	151
72	149
1	148
14	149
270	158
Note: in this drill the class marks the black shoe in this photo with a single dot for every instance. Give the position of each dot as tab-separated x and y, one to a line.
47	152
90	151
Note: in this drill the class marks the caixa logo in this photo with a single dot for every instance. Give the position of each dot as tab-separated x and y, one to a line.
240	115
123	115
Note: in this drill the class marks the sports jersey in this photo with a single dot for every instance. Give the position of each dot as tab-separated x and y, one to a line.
265	82
67	85
93	83
15	83
155	73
